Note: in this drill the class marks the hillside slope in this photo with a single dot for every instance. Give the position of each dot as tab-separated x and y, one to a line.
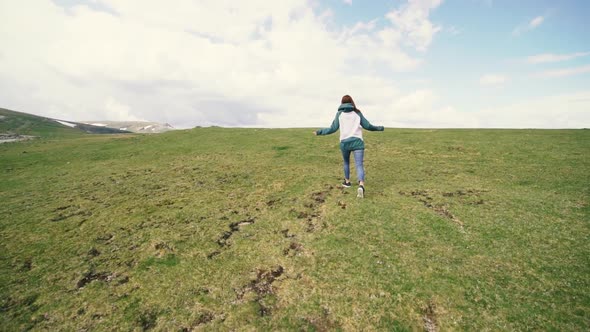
247	229
28	124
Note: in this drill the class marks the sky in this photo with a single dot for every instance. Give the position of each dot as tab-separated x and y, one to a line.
260	63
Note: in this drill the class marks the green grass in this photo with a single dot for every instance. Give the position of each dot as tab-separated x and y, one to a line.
246	229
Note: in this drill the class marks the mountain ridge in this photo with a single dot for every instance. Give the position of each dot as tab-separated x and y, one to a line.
133	126
16	126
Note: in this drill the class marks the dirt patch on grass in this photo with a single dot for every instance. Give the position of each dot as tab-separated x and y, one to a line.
91	276
213	254
162	246
262	287
69	211
27	265
203	319
293	249
163	249
7	138
106	238
468	192
234	227
471	195
425	198
323	322
147	320
429	317
286	233
93	252
318	199
222	241
305	214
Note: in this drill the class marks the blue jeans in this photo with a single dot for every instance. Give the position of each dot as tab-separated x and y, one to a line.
358	162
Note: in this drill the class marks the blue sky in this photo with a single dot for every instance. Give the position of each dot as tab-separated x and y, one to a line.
258	63
497	38
480	37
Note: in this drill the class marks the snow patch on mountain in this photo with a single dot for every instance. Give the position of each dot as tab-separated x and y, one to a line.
72	125
135	126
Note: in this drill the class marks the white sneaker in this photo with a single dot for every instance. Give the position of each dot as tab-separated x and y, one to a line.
360	192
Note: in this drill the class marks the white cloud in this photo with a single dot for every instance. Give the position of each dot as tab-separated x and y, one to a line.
548	57
564	72
348	2
421	109
412	20
559	111
201	63
492	79
530	25
535	22
117	111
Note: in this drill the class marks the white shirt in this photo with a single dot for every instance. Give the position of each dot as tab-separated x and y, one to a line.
350	125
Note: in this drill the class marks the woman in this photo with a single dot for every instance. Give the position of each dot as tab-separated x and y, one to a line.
350	121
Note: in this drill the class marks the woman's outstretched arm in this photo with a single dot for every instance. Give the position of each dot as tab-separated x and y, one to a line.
367	125
327	131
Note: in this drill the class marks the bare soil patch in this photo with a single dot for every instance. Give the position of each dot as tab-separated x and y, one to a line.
425	198
262	287
429	317
234	227
7	138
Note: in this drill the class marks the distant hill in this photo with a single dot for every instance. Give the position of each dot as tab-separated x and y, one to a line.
134	126
14	123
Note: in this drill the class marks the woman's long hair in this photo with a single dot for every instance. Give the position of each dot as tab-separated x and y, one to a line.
346	99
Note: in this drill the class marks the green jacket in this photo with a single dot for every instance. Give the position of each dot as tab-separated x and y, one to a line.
350	121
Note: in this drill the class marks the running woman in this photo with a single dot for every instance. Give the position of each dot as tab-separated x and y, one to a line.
350	121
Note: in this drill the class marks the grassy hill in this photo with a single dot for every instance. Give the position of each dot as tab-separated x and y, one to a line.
247	229
28	124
